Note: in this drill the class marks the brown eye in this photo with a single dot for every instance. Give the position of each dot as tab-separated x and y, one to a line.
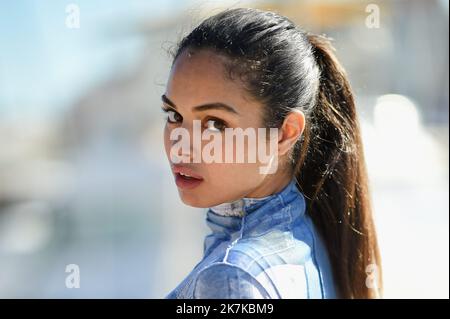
173	117
215	125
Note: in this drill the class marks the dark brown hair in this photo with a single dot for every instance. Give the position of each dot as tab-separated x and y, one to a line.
286	68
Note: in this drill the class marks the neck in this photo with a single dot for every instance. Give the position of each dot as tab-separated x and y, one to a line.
272	184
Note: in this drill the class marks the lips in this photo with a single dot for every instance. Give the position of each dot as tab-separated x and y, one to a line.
185	171
185	177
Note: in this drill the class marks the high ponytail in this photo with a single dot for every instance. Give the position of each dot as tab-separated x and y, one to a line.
332	175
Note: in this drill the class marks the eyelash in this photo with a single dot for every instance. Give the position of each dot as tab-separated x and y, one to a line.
166	111
222	123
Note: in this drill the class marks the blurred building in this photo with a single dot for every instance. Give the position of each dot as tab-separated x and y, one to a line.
92	186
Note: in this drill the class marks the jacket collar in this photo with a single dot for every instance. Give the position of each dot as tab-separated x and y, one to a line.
257	215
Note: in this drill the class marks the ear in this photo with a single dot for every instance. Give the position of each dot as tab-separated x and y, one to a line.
290	131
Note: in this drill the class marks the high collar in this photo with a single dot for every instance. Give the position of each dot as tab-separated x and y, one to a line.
235	208
257	215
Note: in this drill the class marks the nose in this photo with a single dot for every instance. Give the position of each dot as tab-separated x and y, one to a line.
179	146
185	144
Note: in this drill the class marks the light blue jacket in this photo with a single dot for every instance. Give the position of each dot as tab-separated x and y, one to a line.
273	251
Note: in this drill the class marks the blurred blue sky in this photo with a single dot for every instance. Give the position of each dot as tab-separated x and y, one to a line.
44	65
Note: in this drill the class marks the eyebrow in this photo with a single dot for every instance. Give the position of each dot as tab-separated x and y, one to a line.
203	107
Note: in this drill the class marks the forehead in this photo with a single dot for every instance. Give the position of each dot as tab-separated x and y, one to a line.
200	78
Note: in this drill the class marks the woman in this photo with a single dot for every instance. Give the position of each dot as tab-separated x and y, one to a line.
302	228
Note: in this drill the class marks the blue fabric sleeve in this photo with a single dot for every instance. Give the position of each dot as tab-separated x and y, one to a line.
226	281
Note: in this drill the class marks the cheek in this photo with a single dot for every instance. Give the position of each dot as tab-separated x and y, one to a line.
243	172
228	182
167	142
233	177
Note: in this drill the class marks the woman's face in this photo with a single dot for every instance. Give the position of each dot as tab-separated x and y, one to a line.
196	82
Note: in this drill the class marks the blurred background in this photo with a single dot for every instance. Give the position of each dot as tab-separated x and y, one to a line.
83	175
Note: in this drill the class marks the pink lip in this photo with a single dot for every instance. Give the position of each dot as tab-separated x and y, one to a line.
177	169
183	182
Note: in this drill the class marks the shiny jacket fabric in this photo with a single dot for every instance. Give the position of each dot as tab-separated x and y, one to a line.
273	251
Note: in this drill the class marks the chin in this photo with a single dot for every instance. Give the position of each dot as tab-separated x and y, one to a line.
193	200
